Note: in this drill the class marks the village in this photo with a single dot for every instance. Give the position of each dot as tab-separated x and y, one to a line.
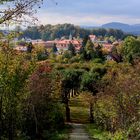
62	45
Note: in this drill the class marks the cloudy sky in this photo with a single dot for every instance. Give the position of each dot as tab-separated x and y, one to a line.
90	12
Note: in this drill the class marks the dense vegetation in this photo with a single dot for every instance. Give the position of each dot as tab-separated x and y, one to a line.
29	108
51	32
110	87
35	94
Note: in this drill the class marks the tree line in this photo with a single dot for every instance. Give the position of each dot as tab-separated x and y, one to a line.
51	32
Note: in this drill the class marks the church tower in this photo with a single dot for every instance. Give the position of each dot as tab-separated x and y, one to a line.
70	36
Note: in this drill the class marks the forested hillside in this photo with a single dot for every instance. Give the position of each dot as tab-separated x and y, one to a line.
51	32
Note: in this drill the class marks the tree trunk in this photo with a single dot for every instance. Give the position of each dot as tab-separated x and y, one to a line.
72	93
68	95
67	111
35	119
11	130
91	113
75	92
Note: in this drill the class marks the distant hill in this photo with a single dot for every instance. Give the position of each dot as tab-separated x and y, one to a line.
131	29
116	25
134	29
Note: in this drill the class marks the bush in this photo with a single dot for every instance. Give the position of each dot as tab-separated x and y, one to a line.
119	135
134	131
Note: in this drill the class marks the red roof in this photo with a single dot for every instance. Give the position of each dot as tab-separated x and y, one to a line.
92	37
107	46
63	43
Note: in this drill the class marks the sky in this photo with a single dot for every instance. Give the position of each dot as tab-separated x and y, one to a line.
89	12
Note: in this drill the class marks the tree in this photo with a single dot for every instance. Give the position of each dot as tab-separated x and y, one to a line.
35	33
99	52
86	38
18	9
29	47
41	52
70	84
32	33
121	95
14	73
130	49
66	55
89	48
42	110
82	49
116	53
90	83
54	48
71	48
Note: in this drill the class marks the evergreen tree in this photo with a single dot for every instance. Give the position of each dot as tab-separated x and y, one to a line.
82	49
29	47
54	48
71	48
90	53
85	40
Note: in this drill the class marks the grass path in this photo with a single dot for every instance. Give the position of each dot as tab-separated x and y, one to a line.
79	117
81	127
78	132
79	110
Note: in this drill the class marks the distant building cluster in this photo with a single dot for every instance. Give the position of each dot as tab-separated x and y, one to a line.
63	44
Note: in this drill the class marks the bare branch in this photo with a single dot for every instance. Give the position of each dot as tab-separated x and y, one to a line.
19	9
